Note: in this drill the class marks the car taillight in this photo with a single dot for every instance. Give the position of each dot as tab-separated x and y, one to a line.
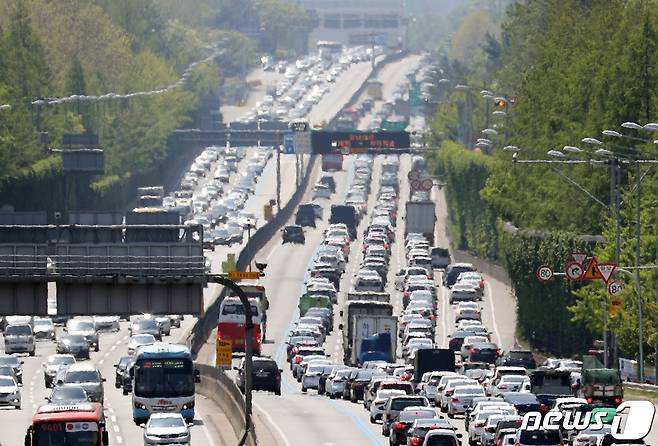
474	350
449	392
400	425
432	317
478	424
298	359
455	400
542	408
498	351
491	430
415	441
219	334
519	444
617	400
406	294
589	400
502	386
582	438
498	442
257	338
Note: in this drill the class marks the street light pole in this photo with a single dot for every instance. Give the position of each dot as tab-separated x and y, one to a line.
248	350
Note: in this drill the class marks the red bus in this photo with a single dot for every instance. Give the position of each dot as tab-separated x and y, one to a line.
230	324
332	161
58	424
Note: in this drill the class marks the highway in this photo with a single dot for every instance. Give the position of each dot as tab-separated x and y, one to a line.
210	425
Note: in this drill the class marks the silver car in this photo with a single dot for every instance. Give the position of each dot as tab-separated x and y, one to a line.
166	428
85	327
19	339
336	382
10	394
87	376
53	364
44	328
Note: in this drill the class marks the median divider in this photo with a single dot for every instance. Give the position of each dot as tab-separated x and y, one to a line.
215	384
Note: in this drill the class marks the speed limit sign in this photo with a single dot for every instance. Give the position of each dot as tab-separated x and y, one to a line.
615	288
544	273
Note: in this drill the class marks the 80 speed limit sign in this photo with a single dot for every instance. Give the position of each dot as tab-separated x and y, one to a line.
544	273
615	288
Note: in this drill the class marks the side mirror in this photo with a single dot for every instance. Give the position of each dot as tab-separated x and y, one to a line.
142	425
22	362
280	370
459	435
47	398
340	326
197	376
116	365
236	367
104	379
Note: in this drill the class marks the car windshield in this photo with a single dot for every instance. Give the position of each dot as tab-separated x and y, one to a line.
164	378
6	381
143	338
146	324
80	325
18	330
9	360
43	322
540	438
68	394
167	422
267	366
74	339
60	360
82	376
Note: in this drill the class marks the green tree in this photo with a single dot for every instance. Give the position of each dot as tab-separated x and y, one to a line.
27	70
76	78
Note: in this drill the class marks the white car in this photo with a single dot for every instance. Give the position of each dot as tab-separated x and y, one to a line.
139	340
321	191
462	398
468	343
446	394
379	402
510	383
166	428
441	437
477	423
336	383
10	394
489	429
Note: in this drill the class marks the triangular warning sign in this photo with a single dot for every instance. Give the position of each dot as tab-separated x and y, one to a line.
579	257
592	272
606	270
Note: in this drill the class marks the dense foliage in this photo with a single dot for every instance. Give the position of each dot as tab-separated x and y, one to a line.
55	49
570	69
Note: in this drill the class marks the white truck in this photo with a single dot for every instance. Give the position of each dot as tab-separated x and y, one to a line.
420	218
373	338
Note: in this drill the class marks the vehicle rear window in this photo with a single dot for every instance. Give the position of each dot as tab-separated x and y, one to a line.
441	440
268	366
397	386
18	330
520	355
238	309
401	404
540	437
440	252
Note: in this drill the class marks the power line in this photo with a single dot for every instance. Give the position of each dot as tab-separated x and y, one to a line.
40	102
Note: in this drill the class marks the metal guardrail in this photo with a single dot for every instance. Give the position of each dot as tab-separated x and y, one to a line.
643	387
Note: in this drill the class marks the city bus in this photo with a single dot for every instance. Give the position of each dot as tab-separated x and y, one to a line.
162	380
61	424
231	320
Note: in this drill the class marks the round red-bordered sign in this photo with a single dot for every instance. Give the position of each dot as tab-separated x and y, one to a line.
544	273
574	271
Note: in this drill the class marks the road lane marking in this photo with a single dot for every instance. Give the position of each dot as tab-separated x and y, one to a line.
118	439
374	439
274	425
115	428
493	313
205	430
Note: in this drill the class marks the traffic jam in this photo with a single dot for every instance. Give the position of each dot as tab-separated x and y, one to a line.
420	387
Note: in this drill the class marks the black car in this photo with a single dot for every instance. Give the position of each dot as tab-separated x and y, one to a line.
266	375
74	344
122	370
404	421
453	271
523	402
518	358
305	215
484	352
329	181
293	234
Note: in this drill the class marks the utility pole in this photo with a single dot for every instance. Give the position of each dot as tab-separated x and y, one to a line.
656	345
278	179
638	289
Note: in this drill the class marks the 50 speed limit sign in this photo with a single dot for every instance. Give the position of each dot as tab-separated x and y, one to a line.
544	273
615	288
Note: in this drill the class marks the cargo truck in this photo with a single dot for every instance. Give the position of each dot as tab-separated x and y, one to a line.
370	308
373	338
598	384
433	360
420	218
